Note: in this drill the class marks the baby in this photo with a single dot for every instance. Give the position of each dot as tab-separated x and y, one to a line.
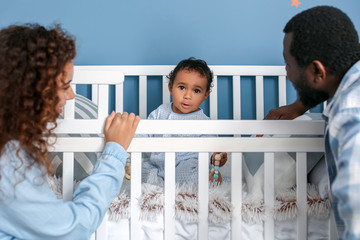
189	86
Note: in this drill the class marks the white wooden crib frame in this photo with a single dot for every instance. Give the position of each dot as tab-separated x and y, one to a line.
101	76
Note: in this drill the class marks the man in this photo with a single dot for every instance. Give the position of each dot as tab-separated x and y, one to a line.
322	53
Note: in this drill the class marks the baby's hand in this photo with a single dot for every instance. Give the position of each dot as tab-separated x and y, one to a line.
120	128
223	158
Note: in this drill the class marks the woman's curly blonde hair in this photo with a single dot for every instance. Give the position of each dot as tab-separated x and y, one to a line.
31	59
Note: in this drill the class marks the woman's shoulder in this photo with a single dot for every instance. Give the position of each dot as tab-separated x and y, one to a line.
10	148
12	157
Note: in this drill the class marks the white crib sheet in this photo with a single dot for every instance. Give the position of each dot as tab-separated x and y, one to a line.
284	230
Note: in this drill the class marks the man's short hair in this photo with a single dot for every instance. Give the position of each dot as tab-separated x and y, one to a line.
326	34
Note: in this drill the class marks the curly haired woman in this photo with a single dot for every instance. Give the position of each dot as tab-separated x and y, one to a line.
36	69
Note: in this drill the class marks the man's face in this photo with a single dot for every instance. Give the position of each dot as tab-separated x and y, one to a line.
309	96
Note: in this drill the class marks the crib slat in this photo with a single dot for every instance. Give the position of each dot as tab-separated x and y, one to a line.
259	97
68	175
119	96
203	195
282	90
135	184
142	96
301	195
236	194
236	98
165	90
169	211
94	93
214	100
103	102
269	196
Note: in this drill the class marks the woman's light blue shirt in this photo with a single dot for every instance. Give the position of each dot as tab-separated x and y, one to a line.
30	210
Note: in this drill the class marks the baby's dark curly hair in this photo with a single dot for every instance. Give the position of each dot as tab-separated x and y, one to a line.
326	34
32	57
192	64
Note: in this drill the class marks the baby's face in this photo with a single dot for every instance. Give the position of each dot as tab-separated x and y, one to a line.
188	91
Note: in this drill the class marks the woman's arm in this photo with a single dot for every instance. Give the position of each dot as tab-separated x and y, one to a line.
30	210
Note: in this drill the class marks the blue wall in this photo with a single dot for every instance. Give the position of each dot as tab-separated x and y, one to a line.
230	32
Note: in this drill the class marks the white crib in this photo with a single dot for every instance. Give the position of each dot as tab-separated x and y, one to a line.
102	76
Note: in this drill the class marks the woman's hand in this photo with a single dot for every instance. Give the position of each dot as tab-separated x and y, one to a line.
120	128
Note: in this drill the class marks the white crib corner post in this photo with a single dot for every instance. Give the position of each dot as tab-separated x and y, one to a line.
236	195
203	195
135	185
269	195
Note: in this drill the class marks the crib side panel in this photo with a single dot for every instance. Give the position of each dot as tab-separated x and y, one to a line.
236	146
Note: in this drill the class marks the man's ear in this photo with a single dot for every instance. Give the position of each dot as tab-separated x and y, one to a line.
318	72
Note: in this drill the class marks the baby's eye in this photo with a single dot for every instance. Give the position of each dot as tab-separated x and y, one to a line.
197	91
181	87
